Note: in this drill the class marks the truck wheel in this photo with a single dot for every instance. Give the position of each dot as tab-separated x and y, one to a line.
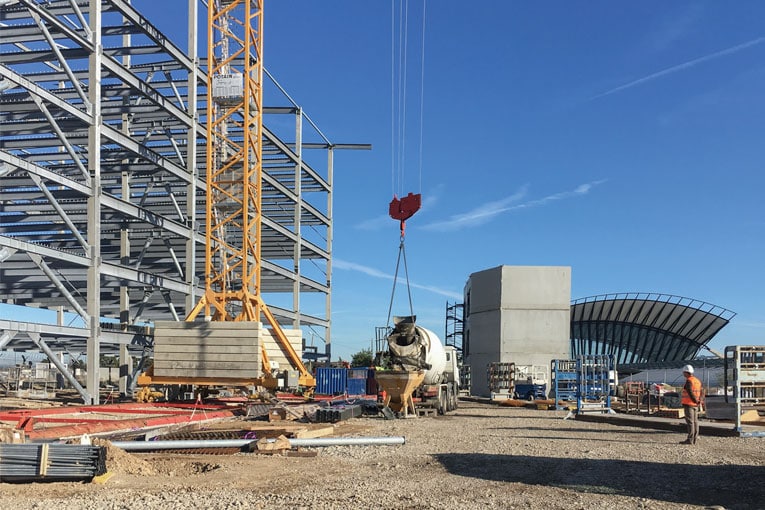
449	400
441	402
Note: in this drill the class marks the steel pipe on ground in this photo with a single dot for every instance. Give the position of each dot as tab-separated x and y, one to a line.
136	446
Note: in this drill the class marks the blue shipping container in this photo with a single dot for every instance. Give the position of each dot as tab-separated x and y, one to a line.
331	381
357	387
357	373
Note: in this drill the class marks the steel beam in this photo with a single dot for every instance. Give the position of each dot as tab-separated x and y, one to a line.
37	259
60	210
86	395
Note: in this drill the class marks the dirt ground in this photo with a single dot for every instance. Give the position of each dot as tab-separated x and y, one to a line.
480	456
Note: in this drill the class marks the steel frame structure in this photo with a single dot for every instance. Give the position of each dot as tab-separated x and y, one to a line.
102	183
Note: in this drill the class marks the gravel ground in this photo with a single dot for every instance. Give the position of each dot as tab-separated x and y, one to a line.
480	456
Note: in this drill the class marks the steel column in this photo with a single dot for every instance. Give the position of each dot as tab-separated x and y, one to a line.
94	205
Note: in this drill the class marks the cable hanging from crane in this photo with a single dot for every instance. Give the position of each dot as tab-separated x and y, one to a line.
404	208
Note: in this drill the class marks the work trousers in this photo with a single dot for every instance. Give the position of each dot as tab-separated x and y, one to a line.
692	422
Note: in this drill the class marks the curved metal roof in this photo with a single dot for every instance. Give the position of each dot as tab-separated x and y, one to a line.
644	327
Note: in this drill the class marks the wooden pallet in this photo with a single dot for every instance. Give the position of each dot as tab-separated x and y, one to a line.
426	411
670	413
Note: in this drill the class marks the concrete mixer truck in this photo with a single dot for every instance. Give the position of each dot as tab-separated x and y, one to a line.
416	370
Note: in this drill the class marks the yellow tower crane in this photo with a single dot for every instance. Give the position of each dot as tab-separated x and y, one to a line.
234	182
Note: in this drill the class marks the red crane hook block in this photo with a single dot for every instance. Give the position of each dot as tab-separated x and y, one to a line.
404	208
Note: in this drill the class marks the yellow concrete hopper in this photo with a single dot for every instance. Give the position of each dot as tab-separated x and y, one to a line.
398	386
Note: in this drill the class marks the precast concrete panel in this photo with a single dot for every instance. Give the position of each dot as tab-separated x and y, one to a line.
484	290
534	337
479	366
536	287
485	332
532	325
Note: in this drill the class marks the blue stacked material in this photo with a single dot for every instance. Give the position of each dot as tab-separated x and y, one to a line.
331	381
337	413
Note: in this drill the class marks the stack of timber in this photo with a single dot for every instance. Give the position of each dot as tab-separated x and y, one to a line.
670	413
512	402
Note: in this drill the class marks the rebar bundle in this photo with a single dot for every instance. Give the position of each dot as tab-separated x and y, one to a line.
50	462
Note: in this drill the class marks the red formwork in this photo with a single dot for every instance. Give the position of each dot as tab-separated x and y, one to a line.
66	422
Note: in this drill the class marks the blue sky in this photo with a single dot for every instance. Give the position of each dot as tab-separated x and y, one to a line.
621	139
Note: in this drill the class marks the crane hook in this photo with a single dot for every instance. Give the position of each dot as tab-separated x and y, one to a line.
404	208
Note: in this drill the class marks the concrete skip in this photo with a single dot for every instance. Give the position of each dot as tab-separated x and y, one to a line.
398	386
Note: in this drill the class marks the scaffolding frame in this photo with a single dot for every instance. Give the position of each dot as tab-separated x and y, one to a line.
455	326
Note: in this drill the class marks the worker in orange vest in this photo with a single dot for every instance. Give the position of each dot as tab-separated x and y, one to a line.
691	401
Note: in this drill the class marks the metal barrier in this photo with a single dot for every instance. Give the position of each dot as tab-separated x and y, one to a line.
745	375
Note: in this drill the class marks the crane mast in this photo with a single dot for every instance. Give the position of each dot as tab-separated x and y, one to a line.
234	149
234	172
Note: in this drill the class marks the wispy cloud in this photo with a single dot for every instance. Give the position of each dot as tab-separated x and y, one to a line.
680	67
376	223
674	26
760	325
432	197
370	271
480	214
485	213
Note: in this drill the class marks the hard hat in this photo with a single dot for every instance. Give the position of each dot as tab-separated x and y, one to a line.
688	368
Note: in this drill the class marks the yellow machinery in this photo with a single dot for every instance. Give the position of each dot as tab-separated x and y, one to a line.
234	183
